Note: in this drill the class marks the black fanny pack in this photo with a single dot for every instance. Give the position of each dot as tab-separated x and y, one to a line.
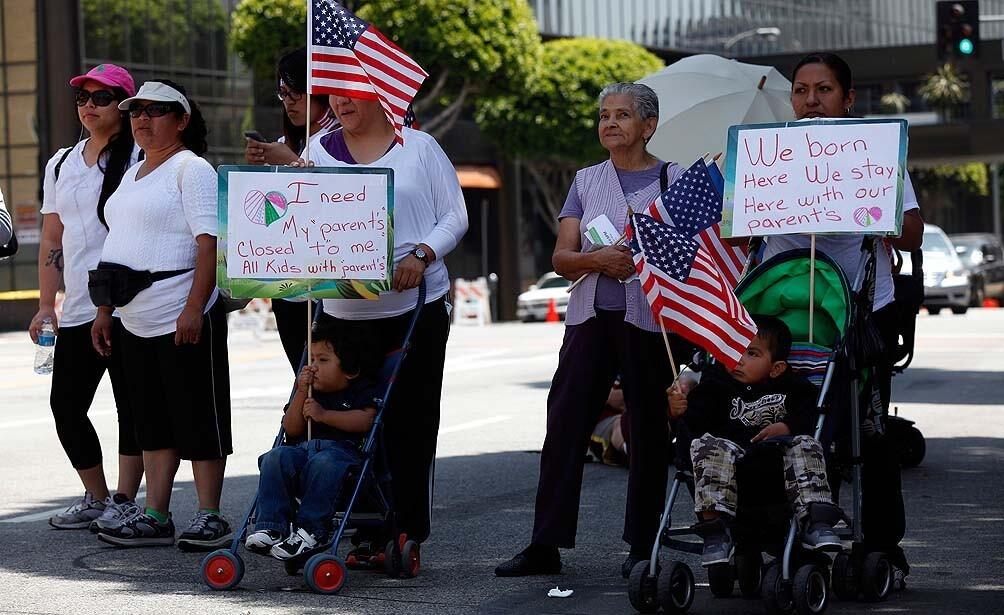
116	285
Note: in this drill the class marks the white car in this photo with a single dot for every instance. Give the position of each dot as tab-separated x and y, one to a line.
534	303
946	280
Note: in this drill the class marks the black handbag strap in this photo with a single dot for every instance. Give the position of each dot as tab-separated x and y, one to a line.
664	178
157	276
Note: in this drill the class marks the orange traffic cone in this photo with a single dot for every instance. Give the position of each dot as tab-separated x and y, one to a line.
552	312
991	303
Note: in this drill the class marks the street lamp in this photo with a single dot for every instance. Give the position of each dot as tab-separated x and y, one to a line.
769	34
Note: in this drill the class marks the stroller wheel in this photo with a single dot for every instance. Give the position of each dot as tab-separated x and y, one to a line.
411	559
912	448
844	578
675	588
222	569
876	577
721	579
777	598
749	569
641	589
810	592
325	574
392	559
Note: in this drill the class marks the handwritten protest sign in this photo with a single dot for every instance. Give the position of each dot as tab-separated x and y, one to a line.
283	231
820	176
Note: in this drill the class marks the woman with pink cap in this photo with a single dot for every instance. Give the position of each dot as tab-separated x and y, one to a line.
78	181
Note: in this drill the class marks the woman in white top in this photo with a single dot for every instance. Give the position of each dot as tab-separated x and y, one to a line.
291	88
77	183
430	218
162	246
822	87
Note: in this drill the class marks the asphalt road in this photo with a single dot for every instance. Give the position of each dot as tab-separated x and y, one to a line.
493	425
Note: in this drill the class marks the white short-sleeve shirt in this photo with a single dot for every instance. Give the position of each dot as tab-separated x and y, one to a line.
74	198
152	227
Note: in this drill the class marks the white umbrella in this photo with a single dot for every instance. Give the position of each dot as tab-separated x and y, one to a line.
701	96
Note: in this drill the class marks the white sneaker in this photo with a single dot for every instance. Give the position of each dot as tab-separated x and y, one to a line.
79	515
297	543
118	510
262	541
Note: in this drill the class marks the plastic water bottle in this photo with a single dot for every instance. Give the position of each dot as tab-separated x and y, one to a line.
46	346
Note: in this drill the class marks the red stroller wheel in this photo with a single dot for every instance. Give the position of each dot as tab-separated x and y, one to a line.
411	559
222	570
325	574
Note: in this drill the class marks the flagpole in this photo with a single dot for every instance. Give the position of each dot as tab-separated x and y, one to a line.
306	145
310	332
571	287
669	351
812	282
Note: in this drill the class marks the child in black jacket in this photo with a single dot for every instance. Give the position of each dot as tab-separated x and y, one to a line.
733	410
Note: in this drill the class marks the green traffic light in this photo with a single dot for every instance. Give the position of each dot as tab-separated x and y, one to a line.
966	46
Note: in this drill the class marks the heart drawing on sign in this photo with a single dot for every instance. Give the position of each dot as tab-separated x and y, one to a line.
867	217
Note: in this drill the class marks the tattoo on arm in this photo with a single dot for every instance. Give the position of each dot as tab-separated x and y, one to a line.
55	259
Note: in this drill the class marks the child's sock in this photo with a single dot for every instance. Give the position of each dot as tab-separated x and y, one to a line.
211	511
159	516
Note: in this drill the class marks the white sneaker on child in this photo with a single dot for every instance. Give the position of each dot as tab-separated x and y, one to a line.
262	541
298	542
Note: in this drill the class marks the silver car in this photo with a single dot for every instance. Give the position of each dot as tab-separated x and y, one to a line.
946	280
534	303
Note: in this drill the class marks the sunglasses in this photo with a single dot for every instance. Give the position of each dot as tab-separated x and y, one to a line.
101	98
151	110
283	93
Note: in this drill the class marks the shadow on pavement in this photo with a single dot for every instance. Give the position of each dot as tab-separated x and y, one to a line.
483	515
940	386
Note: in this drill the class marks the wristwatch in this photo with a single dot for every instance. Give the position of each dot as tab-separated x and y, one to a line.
420	254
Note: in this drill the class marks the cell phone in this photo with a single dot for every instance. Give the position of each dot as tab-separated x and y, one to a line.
254	135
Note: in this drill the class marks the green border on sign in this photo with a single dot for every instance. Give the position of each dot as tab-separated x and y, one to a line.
733	149
296	288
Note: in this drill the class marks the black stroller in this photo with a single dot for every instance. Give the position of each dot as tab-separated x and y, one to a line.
323	570
796	579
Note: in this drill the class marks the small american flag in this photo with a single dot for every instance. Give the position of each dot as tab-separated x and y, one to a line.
349	57
694	204
686	290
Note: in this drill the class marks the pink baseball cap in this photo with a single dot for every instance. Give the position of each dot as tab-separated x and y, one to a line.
110	75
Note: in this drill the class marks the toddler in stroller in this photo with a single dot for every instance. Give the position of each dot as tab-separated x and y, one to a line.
758	404
344	402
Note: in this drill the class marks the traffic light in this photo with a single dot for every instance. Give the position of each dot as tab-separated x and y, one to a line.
958	34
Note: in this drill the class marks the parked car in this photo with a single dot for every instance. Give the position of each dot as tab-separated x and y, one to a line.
983	255
947	283
534	303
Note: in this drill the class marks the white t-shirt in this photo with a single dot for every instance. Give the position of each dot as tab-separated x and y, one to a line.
74	198
429	208
845	250
153	227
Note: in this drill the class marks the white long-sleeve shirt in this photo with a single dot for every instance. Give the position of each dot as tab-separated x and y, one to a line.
429	208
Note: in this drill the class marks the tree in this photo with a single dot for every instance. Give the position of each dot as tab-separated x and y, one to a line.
945	89
551	124
468	47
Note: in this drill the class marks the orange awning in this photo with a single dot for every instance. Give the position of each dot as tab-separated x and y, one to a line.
479	176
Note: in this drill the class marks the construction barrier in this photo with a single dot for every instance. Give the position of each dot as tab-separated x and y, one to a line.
471	302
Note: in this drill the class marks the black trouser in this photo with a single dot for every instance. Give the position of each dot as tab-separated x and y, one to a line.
291	322
411	419
883	515
592	354
77	371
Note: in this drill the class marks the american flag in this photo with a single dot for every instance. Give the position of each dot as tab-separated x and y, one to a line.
686	290
694	203
349	57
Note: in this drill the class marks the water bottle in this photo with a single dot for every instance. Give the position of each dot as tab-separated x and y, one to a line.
46	346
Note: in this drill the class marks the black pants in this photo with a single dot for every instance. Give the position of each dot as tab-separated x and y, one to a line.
592	354
291	322
77	371
411	419
883	516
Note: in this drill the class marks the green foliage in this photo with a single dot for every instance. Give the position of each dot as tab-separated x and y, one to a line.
894	103
945	88
967	179
484	42
261	30
154	31
554	118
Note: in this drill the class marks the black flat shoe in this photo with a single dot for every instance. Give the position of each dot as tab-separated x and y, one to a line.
534	560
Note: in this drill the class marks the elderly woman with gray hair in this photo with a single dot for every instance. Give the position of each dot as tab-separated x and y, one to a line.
609	329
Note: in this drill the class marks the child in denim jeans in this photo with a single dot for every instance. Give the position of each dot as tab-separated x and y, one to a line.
342	410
